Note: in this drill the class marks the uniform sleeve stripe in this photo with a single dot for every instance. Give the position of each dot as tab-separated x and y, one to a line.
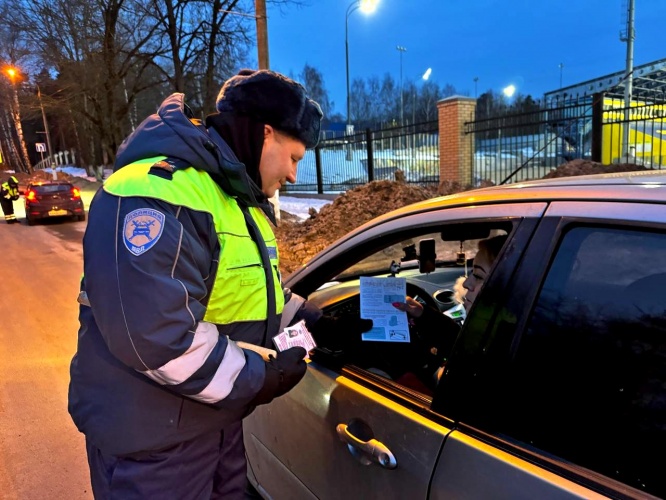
225	377
183	367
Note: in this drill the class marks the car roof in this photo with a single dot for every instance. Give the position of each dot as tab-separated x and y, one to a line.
50	183
642	186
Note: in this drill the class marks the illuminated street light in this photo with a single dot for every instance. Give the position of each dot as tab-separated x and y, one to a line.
509	90
367	7
13	74
424	77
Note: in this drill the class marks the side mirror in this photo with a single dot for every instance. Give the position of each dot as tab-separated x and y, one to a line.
427	255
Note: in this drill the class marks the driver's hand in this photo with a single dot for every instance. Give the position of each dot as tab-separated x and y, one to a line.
410	306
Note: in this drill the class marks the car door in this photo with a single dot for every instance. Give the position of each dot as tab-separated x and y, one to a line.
344	432
563	395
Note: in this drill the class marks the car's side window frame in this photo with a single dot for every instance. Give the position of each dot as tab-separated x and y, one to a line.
523	226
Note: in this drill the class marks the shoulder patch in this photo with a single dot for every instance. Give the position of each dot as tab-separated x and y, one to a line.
142	229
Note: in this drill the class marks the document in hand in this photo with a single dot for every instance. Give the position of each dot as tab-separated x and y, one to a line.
295	335
377	297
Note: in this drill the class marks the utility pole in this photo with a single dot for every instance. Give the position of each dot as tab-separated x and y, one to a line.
262	33
401	49
262	57
628	36
46	131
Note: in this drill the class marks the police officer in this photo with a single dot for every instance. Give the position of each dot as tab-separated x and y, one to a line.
180	262
8	195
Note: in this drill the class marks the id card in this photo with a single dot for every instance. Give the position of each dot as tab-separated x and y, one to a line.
295	335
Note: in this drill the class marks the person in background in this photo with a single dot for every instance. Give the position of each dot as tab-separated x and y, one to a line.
180	266
8	195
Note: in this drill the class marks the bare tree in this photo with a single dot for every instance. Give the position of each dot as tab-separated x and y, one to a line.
14	53
313	81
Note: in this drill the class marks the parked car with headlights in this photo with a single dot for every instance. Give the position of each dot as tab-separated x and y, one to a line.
52	199
554	388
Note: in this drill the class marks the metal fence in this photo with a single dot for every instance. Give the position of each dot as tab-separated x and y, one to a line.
507	148
525	146
347	161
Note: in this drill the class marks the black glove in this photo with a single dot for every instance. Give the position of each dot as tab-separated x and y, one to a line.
338	332
282	374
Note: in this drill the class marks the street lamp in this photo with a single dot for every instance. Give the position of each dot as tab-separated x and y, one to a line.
561	65
509	90
401	49
424	77
13	74
367	7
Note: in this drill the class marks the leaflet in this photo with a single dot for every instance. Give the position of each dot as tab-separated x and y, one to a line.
377	296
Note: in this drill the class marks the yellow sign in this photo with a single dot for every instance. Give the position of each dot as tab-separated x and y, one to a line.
647	131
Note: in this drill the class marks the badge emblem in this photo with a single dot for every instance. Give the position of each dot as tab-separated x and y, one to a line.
142	229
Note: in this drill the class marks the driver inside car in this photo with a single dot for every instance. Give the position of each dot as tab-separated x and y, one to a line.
437	330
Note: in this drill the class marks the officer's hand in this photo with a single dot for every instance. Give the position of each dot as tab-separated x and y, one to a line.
283	372
338	331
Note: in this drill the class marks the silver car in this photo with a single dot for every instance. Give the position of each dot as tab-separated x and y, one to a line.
555	386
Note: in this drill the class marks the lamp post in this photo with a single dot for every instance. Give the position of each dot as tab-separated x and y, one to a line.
367	7
476	87
46	131
561	65
424	77
401	49
13	74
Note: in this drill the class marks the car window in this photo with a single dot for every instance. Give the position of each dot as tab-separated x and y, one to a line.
52	188
414	363
405	252
588	382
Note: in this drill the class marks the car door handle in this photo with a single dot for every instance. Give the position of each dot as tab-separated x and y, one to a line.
371	451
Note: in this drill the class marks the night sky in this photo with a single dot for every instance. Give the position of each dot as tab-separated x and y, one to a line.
519	42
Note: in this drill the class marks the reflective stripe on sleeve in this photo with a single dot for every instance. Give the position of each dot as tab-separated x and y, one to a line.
225	377
180	369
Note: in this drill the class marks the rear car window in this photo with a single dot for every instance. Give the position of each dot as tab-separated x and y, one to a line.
52	188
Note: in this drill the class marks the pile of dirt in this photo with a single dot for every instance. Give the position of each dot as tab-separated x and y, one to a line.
299	241
587	167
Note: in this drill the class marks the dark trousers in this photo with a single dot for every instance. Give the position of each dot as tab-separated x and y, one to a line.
8	209
211	466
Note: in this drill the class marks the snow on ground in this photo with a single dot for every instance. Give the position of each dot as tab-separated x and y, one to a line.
296	206
301	206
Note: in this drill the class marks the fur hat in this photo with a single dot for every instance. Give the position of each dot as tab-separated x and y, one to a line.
275	100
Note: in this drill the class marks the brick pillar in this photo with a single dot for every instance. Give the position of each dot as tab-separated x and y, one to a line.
456	149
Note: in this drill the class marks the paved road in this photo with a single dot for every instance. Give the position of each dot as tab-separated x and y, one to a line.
42	455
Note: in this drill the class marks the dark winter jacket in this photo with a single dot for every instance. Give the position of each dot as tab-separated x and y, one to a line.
155	365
